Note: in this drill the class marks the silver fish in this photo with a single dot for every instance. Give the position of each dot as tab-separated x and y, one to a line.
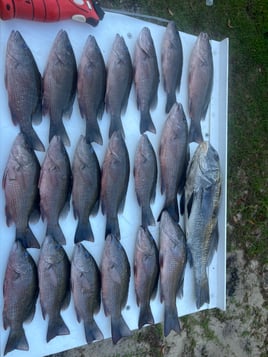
172	62
200	83
202	198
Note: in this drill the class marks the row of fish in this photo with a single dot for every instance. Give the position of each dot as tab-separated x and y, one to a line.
30	96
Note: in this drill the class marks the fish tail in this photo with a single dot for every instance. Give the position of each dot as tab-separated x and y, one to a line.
93	132
92	331
171	99
112	227
171	320
57	128
116	125
56	327
119	328
202	292
27	238
33	139
172	208
56	232
147	217
195	132
146	122
145	316
83	232
16	341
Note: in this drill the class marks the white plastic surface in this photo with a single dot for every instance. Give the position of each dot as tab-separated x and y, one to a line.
39	37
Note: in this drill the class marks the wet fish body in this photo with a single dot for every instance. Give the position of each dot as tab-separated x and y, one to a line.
173	156
55	185
146	78
20	183
20	295
146	272
202	198
60	81
200	81
86	289
86	188
119	80
115	275
24	87
114	182
172	62
91	86
145	175
172	257
54	286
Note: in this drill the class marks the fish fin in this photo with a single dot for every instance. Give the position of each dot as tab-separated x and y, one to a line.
146	122
83	232
32	139
93	132
92	331
57	128
27	238
213	244
195	132
145	316
116	125
37	115
95	208
112	227
172	208
147	217
202	292
56	232
189	204
16	341
119	328
171	99
56	327
171	320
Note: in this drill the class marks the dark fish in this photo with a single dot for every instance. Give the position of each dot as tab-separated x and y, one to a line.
86	188
146	272
119	80
146	78
174	156
115	275
173	257
24	86
20	183
54	286
20	294
172	61
60	80
91	86
200	83
86	289
55	187
145	175
202	198
114	182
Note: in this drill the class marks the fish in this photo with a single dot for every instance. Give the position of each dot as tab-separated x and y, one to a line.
115	275
54	286
146	78
146	273
59	86
91	86
114	182
200	83
119	81
172	63
23	82
20	293
20	184
86	188
202	200
86	290
172	260
55	186
174	157
145	177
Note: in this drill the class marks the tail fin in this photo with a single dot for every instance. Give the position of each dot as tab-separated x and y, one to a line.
171	320
93	132
116	125
202	292
55	231
16	341
195	132
172	208
83	232
112	227
92	331
146	122
56	327
171	99
32	138
147	217
145	316
119	329
57	128
27	238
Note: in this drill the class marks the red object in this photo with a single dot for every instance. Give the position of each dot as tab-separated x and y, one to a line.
52	10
